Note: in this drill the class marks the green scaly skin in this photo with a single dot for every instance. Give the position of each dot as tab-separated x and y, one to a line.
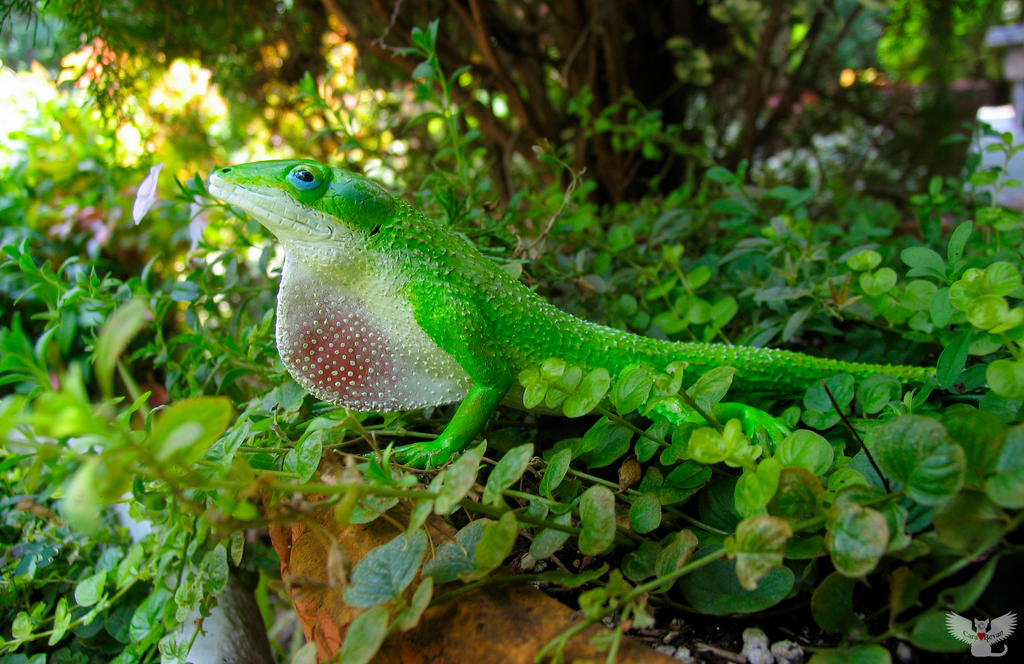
383	309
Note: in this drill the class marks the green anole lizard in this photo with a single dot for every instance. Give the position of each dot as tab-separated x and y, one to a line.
382	309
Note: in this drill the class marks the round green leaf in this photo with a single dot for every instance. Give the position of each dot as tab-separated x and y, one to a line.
385	571
874	393
187	428
758	547
715	589
89	590
755	488
918	295
708	446
558	465
986	311
878	282
507	472
799	496
645	513
364	636
865	654
979	433
454	560
81	504
458	479
865	260
304	458
496	541
548	541
917	451
832	605
1006	487
805	449
631	389
597	520
589	393
930	633
1006	378
969	522
856	538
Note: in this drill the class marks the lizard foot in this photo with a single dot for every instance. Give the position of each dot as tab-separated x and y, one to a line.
427	455
757	424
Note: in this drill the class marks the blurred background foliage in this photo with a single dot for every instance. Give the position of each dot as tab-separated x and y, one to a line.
692	170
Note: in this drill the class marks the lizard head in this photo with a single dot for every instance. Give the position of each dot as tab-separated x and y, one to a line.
305	203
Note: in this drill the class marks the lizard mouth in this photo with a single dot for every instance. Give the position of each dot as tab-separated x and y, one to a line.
280	215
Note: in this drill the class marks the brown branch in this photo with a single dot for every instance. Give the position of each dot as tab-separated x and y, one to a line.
755	98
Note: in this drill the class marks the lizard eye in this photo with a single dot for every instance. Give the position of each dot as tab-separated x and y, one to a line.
303	178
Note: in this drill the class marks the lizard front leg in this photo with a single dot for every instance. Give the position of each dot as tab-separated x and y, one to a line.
468	421
453	324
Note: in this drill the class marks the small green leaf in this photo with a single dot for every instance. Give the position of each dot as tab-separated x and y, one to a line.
863	654
719	174
1006	486
455	559
458	479
61	621
958	238
904	588
604	442
879	282
81	504
645	513
507	472
930	633
89	590
708	446
385	571
918	294
187	428
842	388
864	261
969	522
148	615
549	540
304	458
832	605
712	386
364	636
923	262
597	520
1006	378
410	617
589	393
558	465
856	538
987	311
117	332
759	545
715	589
496	541
876	392
631	389
805	449
917	451
799	497
676	554
979	433
22	627
952	360
620	237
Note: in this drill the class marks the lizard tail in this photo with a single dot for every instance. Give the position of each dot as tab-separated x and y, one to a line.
781	370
